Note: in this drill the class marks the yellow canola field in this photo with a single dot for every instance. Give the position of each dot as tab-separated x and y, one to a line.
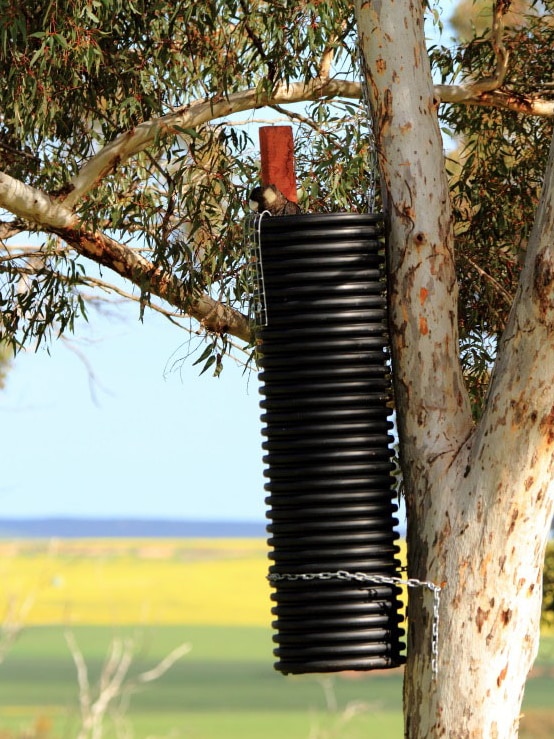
114	582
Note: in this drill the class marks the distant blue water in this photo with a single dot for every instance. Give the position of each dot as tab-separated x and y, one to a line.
76	528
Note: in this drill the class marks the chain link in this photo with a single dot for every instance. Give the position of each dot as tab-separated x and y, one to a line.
252	226
411	582
435	630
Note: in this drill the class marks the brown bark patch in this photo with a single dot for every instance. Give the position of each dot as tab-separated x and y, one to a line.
502	675
520	411
506	616
543	282
513	520
547	426
480	618
423	327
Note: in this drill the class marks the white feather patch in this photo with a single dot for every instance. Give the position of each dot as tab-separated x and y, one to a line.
269	195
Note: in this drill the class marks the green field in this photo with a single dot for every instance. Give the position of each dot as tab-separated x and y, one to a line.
224	688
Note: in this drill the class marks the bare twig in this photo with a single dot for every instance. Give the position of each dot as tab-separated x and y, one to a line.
163	666
489	278
300	118
82	681
113	686
13	623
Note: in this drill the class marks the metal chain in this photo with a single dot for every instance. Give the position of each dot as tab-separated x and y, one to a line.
411	582
252	228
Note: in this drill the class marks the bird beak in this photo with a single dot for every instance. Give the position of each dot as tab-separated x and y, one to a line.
254	205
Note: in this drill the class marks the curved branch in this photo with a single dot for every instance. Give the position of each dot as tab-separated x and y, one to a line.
52	216
193	115
503	99
34	205
201	111
501	7
487	84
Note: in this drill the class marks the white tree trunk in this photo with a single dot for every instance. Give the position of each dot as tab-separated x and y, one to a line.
479	499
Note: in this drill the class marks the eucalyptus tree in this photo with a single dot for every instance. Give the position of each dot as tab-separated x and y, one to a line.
122	147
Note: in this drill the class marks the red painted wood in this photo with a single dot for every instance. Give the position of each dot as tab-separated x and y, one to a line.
277	155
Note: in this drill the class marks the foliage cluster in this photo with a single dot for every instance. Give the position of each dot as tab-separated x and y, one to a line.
77	75
496	174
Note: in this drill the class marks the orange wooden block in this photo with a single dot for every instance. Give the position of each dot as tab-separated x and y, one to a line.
277	155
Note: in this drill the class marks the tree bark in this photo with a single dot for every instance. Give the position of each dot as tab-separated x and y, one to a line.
479	499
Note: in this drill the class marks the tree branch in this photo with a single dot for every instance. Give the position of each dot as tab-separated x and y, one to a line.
132	142
466	95
82	680
488	84
34	205
193	115
486	91
521	393
489	278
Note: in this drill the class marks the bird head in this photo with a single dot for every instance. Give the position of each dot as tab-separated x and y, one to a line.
263	198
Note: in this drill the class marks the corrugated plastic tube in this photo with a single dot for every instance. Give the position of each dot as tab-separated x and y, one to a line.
324	369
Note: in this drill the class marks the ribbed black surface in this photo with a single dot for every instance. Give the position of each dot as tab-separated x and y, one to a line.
328	459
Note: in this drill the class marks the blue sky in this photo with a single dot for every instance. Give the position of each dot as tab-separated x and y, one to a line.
149	441
145	441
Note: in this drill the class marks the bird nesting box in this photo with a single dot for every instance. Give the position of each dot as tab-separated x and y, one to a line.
326	394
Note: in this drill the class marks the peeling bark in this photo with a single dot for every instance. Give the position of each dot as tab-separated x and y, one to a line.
479	500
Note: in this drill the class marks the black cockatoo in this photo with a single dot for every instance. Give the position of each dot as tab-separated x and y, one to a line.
271	199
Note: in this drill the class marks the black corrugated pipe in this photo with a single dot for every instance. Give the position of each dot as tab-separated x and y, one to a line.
326	387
